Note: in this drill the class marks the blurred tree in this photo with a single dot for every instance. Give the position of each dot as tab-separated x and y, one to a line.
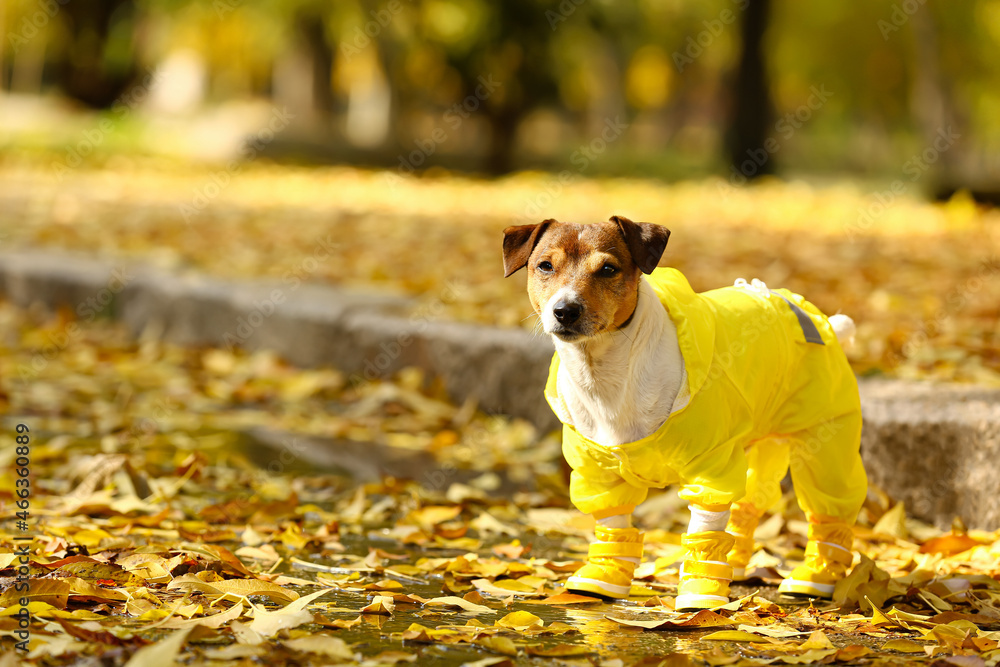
96	63
310	28
752	114
502	60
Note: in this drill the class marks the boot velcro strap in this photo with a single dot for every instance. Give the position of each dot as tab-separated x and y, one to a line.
615	550
705	568
833	552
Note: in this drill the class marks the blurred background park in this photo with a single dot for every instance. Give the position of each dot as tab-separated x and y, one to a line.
849	151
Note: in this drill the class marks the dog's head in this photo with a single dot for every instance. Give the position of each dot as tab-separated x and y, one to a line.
583	280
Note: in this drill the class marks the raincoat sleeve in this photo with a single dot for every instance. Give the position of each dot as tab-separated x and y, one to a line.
596	484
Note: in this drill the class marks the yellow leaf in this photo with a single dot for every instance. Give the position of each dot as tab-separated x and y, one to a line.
454	601
567	599
238	587
702	619
903	645
878	618
948	544
776	630
732	636
817	640
213	621
91	538
51	591
498	644
893	522
268	623
519	620
321	644
161	654
381	604
505	587
560	650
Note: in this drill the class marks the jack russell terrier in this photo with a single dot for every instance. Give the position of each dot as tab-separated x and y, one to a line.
719	392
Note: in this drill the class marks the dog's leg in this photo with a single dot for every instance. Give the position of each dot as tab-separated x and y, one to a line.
743	522
705	573
828	557
767	463
830	485
612	559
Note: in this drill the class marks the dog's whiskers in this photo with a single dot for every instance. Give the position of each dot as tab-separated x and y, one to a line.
536	329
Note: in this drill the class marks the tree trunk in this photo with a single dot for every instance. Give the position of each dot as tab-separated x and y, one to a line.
752	111
312	30
930	100
503	132
83	73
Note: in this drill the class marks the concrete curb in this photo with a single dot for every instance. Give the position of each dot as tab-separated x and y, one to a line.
935	447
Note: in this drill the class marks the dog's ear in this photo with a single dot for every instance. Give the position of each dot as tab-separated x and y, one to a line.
518	242
646	241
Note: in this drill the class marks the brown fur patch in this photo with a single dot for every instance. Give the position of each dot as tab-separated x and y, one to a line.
578	254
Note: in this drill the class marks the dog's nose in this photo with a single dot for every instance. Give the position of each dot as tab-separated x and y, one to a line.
567	312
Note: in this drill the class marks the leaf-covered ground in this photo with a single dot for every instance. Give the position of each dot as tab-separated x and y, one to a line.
161	528
921	280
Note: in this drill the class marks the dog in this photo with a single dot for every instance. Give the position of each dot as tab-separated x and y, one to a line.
720	392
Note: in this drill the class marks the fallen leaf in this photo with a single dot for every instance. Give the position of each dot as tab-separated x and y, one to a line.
948	544
731	636
566	599
161	654
465	605
903	645
519	620
702	619
381	604
321	644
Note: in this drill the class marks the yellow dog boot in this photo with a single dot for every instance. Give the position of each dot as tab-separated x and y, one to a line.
705	574
828	557
611	561
743	519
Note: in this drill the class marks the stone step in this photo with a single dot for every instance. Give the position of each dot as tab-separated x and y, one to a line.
936	447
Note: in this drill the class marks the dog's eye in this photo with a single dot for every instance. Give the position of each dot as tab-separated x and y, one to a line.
545	266
609	270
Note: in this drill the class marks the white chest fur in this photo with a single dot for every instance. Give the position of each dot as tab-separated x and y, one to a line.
620	387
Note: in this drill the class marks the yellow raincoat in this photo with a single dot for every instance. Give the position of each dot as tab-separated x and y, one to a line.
759	391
